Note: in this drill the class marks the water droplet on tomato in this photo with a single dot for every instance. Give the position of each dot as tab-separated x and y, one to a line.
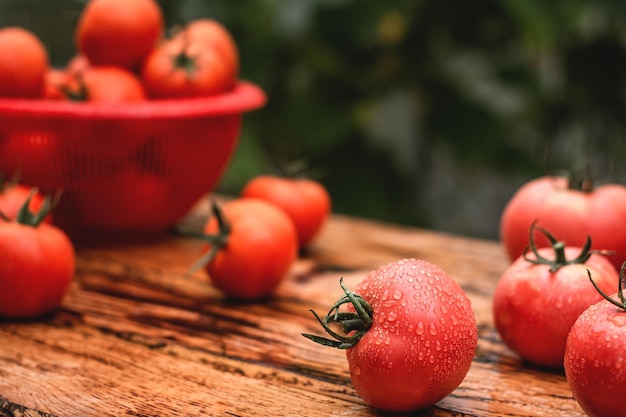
392	316
618	319
357	370
432	329
397	295
420	328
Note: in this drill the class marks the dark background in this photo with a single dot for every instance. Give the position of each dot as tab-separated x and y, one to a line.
424	113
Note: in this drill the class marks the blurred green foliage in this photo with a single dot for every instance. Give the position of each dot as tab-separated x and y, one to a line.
419	112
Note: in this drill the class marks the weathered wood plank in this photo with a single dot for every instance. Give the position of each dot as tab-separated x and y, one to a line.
136	337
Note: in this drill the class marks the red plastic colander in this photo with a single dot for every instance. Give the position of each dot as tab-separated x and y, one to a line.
128	170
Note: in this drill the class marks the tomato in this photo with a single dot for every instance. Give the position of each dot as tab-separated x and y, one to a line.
78	64
13	197
32	149
105	85
594	356
257	247
306	201
123	200
54	81
23	63
568	212
540	295
410	337
118	32
213	34
186	68
37	263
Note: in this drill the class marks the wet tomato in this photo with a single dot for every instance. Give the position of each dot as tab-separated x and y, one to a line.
409	332
540	295
594	355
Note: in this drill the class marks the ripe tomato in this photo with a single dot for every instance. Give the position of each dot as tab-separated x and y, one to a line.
105	85
77	64
413	340
54	81
213	34
119	32
13	197
570	213
23	63
37	262
305	201
182	67
123	200
540	295
257	248
594	356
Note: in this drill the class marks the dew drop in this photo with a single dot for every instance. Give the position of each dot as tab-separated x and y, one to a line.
432	329
618	319
357	370
397	295
392	316
420	328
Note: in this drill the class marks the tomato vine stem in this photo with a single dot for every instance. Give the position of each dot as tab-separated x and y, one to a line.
353	324
560	259
29	218
620	289
217	241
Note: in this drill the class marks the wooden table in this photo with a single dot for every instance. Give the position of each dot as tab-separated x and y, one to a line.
134	337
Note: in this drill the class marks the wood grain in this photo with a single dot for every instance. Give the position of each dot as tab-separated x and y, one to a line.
136	337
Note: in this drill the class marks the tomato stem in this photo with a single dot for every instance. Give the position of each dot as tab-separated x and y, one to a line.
29	218
560	259
353	324
620	289
217	241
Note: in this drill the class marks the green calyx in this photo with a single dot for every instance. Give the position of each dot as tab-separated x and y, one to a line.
353	324
217	241
560	259
620	289
28	217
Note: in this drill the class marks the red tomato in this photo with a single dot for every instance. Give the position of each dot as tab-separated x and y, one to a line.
415	340
126	199
186	68
213	34
55	80
260	248
536	302
569	213
594	356
37	265
31	150
119	32
13	197
305	201
105	85
23	63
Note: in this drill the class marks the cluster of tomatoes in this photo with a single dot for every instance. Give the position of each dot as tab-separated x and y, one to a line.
410	333
254	240
560	302
123	55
